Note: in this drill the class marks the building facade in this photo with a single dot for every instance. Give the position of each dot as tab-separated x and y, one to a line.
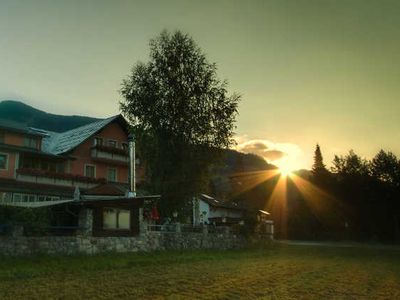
38	165
81	174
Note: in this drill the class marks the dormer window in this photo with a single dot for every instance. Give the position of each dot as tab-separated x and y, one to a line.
98	141
30	142
112	143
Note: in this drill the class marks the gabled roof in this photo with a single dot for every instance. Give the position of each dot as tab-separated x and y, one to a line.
113	189
17	127
59	143
218	203
109	189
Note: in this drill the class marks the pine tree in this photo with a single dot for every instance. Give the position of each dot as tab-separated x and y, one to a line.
318	165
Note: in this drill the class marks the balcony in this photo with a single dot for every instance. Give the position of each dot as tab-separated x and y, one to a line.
54	178
110	155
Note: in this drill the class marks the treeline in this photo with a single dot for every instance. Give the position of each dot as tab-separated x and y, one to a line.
357	199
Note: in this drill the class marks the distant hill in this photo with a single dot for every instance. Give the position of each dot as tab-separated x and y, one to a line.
236	162
303	173
27	115
233	179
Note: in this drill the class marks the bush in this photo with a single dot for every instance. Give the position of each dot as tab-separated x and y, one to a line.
34	220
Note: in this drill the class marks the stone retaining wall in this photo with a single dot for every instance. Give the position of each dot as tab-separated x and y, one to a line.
149	241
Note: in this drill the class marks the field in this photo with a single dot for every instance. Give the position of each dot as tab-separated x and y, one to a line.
278	272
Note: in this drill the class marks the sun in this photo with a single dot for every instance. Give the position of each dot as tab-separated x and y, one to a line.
286	168
285	171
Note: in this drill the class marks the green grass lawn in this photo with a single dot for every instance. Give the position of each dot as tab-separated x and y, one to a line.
278	272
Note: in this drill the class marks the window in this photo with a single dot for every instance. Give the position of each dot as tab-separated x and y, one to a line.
98	141
30	142
114	218
125	146
3	161
112	143
17	197
33	198
90	171
43	198
112	174
2	137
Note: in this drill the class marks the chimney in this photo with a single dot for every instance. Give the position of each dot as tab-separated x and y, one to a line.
132	166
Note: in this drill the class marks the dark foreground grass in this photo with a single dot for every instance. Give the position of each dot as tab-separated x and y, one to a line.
278	272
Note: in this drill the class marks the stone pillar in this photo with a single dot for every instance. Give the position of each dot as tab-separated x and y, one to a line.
270	229
142	223
85	222
204	229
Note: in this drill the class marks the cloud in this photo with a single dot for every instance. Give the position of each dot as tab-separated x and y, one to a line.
270	151
263	148
272	155
254	147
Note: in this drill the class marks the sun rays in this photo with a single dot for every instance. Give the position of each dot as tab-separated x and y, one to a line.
245	181
320	203
277	206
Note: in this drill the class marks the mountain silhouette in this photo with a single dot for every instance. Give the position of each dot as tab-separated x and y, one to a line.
27	115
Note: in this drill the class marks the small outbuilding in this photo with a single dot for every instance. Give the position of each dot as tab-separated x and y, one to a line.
208	210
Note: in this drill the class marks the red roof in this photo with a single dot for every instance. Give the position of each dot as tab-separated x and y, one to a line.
108	189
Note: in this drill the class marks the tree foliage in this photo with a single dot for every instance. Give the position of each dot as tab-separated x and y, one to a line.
351	164
386	167
181	114
177	93
358	200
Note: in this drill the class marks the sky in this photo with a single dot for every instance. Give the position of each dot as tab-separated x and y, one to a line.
308	71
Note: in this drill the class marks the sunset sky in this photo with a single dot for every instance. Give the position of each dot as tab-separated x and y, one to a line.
308	71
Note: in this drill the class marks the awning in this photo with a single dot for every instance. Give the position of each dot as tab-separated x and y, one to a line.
85	200
36	203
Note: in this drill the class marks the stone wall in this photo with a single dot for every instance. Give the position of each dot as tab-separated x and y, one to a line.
181	237
148	241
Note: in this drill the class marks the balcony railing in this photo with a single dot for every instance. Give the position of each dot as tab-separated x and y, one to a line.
106	153
64	179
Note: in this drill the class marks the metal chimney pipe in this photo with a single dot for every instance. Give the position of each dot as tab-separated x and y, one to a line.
132	166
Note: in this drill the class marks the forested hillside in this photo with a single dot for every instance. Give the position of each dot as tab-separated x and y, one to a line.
32	117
